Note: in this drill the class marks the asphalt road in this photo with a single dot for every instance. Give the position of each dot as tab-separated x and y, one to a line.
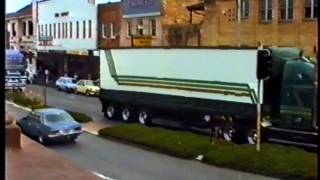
73	102
124	162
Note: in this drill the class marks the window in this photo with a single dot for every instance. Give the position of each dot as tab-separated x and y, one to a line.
50	31
24	28
66	29
286	10
30	28
84	29
42	30
77	30
59	30
129	26
46	30
39	30
13	29
56	15
140	27
266	10
54	30
90	33
153	27
311	9
112	31
64	14
62	36
103	31
244	9
70	29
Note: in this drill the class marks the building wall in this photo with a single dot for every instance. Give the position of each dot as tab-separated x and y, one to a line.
218	30
107	14
20	41
79	11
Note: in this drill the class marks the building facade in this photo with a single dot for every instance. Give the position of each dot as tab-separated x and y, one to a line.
153	19
267	22
66	37
109	25
20	27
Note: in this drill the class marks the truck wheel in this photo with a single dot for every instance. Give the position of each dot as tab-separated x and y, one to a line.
228	133
144	118
252	136
110	112
126	114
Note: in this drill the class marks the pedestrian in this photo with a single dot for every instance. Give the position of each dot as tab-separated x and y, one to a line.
75	77
46	73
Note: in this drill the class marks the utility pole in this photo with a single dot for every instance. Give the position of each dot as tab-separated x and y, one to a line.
259	118
239	22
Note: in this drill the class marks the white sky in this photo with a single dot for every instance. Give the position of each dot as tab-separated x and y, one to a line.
14	5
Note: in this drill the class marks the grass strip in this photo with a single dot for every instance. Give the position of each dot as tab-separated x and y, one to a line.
273	160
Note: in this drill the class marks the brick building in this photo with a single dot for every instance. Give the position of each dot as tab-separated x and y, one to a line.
270	22
158	19
109	25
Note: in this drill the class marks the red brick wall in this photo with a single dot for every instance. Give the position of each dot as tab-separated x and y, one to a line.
218	30
109	13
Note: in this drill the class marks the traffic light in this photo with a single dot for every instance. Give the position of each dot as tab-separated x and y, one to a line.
264	64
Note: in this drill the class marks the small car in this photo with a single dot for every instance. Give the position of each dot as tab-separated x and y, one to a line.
87	87
50	125
67	84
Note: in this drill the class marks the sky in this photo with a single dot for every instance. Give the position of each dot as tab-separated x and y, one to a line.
14	5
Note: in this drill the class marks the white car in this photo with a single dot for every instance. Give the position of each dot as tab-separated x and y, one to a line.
66	84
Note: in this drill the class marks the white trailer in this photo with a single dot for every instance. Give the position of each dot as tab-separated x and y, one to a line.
199	86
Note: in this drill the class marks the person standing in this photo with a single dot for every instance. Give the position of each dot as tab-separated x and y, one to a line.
46	73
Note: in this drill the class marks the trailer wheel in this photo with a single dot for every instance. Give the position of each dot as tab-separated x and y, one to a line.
110	112
229	133
126	114
252	136
144	117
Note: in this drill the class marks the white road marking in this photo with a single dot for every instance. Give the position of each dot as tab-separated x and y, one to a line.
102	176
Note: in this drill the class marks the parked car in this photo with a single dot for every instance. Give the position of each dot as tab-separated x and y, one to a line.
67	84
87	87
50	125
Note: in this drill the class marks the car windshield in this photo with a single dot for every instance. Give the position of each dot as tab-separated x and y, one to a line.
57	117
90	83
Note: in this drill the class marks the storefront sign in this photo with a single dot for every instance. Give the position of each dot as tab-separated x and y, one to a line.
142	41
141	8
83	53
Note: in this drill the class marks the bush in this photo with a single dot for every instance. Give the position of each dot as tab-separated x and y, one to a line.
80	117
273	160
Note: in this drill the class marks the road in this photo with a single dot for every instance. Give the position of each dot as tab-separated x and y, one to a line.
123	162
73	102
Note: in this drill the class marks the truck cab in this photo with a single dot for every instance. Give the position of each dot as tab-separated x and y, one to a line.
292	112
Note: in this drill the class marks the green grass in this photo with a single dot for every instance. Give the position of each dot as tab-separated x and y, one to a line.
273	160
80	117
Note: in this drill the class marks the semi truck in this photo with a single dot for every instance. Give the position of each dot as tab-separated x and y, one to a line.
15	70
216	88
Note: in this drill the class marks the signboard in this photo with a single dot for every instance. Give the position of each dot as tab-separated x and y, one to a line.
84	53
45	41
141	8
145	41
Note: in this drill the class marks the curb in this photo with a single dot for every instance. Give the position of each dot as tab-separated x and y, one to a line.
29	110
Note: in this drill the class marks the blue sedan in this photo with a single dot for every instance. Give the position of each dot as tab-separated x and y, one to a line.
50	125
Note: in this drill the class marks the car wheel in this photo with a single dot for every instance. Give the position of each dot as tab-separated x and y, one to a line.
87	93
228	133
252	136
110	112
41	140
59	89
144	117
126	114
